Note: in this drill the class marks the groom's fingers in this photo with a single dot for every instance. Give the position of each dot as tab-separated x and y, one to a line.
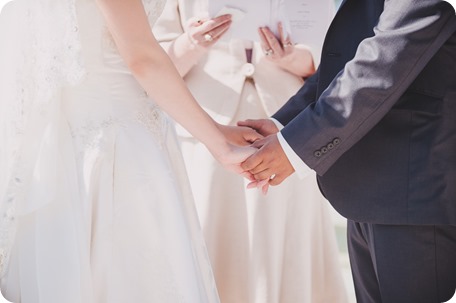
265	127
259	143
262	169
262	159
256	167
271	161
256	124
251	162
277	180
249	123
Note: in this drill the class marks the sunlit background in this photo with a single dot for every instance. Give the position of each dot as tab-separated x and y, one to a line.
3	2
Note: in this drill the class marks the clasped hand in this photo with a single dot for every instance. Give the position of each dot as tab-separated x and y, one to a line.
269	165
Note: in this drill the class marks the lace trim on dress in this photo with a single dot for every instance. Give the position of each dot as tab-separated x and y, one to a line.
155	121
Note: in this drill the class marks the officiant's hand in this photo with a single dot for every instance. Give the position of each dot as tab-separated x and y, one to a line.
294	58
206	32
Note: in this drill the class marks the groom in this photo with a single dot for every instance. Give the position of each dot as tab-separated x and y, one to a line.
377	123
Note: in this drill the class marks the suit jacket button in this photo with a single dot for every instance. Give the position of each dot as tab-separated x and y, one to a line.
336	141
317	153
324	150
248	70
330	146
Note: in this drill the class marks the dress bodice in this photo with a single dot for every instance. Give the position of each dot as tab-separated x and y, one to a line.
109	96
98	47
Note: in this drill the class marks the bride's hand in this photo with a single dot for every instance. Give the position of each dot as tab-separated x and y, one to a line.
232	159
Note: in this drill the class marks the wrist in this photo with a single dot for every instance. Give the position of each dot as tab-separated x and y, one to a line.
220	149
218	144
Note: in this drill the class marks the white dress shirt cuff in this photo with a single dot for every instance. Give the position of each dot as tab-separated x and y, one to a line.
301	169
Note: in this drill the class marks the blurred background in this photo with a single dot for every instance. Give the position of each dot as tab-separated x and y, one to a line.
339	222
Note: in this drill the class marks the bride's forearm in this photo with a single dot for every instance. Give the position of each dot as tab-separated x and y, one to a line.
160	79
129	26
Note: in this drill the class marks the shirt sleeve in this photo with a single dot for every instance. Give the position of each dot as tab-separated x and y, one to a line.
301	169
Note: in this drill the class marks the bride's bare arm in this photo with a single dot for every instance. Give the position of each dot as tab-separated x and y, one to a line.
129	26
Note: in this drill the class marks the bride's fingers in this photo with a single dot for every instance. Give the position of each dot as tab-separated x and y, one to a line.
253	184
248	176
257	184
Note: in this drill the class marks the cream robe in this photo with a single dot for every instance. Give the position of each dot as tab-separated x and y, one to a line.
264	249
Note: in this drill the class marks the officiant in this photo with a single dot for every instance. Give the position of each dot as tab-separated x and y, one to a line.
272	248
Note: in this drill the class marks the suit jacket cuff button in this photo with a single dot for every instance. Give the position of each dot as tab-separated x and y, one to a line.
317	153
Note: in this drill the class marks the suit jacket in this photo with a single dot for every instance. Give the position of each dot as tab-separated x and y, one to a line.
217	80
377	122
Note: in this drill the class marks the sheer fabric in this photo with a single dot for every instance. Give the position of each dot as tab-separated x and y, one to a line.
37	59
95	196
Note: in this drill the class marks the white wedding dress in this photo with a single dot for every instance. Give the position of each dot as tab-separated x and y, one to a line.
123	226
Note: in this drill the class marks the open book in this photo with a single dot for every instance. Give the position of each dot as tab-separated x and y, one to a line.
306	21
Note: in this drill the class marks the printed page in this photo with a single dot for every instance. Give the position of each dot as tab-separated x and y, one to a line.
255	13
308	19
305	20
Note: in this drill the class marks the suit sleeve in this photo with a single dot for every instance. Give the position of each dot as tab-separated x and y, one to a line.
408	34
306	95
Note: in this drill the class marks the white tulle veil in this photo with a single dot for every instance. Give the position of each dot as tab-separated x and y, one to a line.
39	54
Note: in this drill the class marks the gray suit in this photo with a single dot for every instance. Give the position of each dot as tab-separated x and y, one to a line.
377	122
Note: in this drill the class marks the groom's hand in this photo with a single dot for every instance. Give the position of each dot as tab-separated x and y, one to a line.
265	127
269	161
240	136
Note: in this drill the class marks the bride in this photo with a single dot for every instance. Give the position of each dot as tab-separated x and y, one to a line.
95	205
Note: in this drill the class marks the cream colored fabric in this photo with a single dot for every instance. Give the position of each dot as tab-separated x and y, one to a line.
217	80
121	225
278	248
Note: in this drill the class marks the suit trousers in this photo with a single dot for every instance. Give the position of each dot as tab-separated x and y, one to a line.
402	263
